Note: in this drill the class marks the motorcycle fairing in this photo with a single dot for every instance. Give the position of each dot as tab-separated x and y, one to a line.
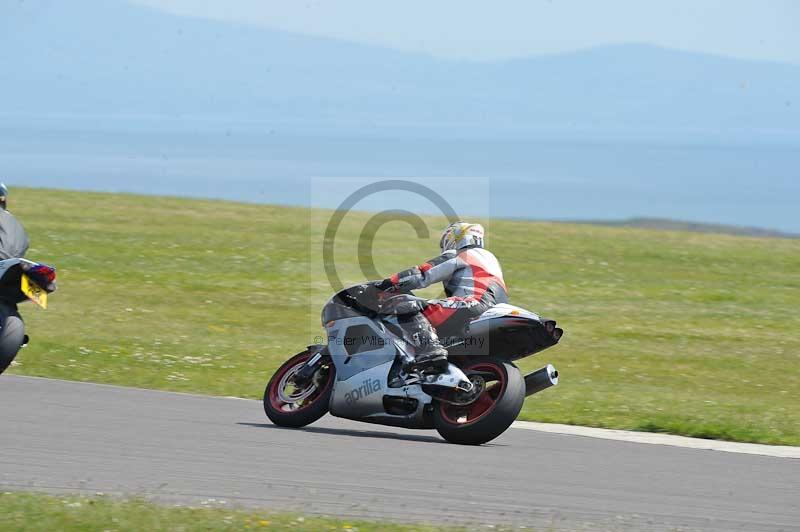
506	331
357	344
505	309
362	375
363	396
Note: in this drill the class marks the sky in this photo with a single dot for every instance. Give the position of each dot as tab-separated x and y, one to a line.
481	30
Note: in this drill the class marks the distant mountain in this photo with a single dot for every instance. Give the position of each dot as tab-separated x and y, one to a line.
695	227
110	58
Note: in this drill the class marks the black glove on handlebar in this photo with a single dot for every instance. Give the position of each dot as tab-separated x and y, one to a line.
384	285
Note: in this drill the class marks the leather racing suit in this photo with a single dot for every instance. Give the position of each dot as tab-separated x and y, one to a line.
473	282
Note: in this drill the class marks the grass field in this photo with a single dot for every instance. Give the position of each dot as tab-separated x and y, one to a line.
693	334
24	512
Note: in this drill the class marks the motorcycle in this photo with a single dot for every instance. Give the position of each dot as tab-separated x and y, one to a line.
20	280
364	372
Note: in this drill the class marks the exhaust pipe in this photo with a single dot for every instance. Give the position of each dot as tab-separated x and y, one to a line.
541	379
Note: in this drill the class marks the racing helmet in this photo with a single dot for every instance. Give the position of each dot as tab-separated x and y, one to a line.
460	235
3	196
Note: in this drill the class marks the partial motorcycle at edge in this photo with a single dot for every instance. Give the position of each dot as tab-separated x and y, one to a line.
20	280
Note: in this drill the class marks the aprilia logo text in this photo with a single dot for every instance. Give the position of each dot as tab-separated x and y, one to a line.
368	387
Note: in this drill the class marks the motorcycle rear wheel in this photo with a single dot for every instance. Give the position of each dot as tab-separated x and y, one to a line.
491	413
289	405
12	335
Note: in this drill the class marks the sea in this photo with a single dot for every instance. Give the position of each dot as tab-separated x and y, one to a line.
737	181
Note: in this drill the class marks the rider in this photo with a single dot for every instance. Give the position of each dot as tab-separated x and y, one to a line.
473	282
13	238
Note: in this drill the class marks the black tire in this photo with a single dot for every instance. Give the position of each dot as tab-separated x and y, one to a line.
12	335
503	402
313	407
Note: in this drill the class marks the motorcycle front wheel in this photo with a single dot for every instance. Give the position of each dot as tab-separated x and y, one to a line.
491	413
288	404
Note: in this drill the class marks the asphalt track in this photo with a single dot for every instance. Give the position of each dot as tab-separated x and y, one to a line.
59	436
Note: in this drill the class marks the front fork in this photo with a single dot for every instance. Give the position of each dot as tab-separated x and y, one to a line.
306	373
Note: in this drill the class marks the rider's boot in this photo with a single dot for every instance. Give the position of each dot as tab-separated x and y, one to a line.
431	356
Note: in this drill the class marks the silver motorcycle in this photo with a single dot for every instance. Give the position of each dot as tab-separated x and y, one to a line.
365	372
